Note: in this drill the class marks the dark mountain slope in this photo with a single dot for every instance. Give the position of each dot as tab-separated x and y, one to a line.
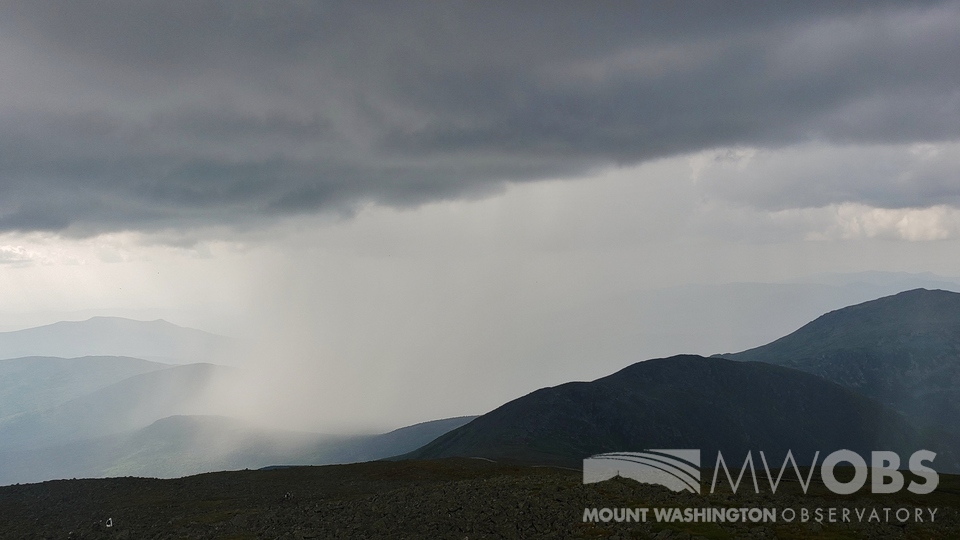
684	402
902	350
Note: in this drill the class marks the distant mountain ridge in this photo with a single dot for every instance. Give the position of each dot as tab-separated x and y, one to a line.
684	402
156	340
904	280
902	350
100	415
38	382
107	416
706	319
129	404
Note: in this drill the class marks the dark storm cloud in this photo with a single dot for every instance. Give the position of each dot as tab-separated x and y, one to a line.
119	115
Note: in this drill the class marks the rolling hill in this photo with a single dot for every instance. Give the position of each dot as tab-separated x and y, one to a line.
37	382
685	402
132	403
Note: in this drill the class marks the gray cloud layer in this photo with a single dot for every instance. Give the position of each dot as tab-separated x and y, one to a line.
881	176
140	115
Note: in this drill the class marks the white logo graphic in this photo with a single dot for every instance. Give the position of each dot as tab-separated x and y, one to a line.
678	470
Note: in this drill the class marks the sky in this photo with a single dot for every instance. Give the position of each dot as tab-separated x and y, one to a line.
418	210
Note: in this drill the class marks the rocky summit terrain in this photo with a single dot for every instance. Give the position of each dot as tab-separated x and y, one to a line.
451	498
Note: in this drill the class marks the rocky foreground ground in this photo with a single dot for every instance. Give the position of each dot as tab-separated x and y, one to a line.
454	498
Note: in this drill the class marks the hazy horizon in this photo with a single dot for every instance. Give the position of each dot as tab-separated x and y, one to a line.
700	319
